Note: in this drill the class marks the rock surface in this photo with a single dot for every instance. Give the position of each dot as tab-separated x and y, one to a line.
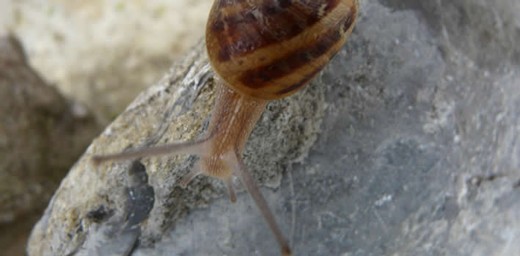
417	152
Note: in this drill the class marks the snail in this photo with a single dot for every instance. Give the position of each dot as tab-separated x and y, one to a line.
260	50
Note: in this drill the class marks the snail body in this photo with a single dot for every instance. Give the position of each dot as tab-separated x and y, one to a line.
260	50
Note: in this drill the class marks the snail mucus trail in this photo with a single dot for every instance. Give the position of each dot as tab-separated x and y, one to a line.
261	50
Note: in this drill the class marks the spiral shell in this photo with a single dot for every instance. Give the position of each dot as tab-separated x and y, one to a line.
269	49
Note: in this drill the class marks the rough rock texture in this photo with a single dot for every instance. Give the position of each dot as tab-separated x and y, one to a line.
96	206
41	135
418	152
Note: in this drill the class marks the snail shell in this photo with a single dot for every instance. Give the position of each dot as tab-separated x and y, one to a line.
269	49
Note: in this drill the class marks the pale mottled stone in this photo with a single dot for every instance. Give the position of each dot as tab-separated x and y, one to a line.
177	108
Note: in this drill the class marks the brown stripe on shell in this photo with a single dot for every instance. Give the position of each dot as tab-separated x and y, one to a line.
300	83
268	23
225	3
263	76
347	24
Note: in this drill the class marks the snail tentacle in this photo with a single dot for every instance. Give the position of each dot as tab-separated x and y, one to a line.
240	170
191	148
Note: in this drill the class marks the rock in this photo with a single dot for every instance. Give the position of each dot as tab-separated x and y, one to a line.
417	152
41	135
98	215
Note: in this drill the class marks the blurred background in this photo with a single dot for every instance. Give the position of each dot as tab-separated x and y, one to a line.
94	57
103	52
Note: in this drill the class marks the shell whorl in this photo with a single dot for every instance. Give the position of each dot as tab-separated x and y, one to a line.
270	48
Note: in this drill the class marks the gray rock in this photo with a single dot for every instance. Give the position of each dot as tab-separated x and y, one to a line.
417	152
